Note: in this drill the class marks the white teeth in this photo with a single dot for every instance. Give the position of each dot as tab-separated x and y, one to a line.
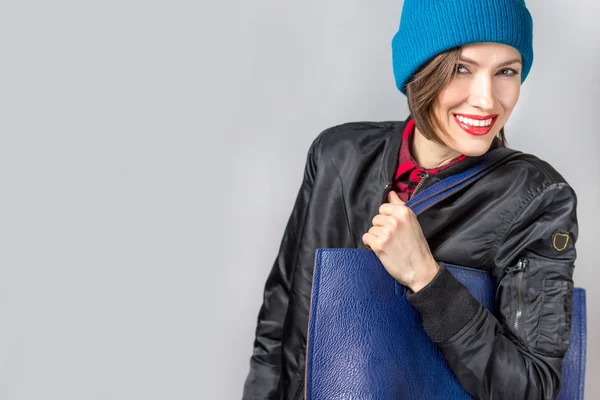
475	122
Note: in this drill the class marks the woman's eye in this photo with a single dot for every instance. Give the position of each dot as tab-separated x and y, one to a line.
461	69
508	72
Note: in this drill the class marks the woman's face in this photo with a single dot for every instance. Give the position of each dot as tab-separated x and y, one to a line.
478	101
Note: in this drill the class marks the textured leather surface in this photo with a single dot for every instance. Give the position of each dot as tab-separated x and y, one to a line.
367	342
574	364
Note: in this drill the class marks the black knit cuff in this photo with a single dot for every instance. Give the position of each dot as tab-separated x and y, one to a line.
445	305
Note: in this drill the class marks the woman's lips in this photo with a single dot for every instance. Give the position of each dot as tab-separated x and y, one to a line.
475	130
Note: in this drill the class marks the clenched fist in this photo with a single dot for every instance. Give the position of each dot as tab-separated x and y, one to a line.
398	241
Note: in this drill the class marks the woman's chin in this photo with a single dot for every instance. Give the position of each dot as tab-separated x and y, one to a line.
475	149
471	145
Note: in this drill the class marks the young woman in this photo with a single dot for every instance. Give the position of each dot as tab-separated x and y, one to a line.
461	64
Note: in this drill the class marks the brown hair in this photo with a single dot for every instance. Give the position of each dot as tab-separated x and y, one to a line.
423	89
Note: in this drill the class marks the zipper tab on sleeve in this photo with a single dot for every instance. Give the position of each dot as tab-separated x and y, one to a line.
519	269
521	266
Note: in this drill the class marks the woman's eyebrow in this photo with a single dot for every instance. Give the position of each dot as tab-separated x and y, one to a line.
512	61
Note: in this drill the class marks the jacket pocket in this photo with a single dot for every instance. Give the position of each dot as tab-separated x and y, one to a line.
536	303
554	327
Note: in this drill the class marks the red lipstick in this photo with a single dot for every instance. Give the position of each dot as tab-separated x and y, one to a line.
476	130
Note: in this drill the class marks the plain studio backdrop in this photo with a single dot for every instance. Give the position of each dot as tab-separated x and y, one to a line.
150	155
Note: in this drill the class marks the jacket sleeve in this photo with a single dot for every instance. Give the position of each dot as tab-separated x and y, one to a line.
265	364
518	353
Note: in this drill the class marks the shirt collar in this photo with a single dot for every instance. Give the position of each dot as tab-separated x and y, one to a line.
407	162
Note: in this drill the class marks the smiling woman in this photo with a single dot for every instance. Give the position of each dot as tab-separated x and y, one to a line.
466	94
461	64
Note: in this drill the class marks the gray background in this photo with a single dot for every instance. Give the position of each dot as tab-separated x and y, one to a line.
150	154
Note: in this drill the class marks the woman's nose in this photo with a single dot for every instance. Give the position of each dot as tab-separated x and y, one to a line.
482	93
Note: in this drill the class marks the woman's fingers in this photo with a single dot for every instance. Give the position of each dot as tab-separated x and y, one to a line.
397	210
394	198
377	238
387	209
371	241
379	232
367	239
381	220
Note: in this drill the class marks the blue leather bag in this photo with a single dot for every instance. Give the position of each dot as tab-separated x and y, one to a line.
357	308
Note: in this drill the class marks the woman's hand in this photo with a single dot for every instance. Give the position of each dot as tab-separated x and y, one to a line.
397	239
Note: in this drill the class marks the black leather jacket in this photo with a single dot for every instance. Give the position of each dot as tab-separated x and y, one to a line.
518	222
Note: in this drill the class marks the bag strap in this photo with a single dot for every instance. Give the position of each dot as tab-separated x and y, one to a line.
447	187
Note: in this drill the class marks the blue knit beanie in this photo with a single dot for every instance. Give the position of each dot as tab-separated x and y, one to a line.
429	27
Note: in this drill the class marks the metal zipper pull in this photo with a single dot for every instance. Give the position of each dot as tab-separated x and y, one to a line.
521	266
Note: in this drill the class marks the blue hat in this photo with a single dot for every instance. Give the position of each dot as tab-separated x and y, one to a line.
429	27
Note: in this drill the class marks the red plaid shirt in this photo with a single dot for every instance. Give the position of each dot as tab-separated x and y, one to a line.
409	173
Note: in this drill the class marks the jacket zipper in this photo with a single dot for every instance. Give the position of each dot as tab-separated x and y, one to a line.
423	179
520	269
